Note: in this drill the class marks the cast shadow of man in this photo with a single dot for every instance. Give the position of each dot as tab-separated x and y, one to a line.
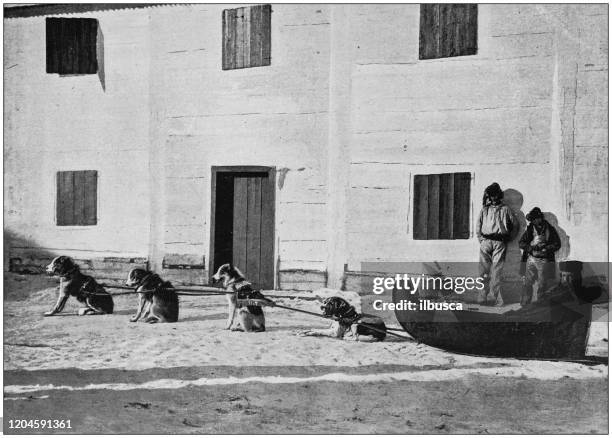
513	269
514	199
564	251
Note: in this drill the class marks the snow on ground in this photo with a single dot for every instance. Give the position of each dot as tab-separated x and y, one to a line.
34	342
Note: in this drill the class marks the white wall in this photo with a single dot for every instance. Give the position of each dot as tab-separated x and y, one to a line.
490	114
346	113
55	123
274	115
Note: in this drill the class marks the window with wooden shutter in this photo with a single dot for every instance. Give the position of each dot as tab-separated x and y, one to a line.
246	37
442	206
448	30
77	197
72	45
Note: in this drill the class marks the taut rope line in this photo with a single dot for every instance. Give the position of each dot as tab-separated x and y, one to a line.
212	291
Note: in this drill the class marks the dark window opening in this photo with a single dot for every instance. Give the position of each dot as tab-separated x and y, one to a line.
77	197
246	37
448	30
442	206
72	45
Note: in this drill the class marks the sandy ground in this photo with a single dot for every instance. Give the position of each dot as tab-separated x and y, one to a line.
108	375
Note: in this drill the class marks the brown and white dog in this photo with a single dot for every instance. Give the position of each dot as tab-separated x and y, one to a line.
251	318
157	300
86	290
348	320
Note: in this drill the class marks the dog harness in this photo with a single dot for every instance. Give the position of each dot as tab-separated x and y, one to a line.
349	317
90	287
244	291
153	283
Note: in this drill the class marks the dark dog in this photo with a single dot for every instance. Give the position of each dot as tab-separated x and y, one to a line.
349	321
86	290
157	301
250	317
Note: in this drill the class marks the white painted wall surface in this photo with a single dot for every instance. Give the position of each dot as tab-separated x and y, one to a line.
528	111
274	115
54	123
490	114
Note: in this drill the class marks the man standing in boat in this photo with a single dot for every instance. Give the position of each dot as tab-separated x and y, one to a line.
494	228
539	244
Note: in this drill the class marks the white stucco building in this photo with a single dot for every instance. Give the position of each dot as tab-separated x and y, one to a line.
338	116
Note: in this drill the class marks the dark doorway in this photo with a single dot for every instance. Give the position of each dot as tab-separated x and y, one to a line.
242	222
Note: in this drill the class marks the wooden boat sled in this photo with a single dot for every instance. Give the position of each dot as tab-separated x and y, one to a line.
552	330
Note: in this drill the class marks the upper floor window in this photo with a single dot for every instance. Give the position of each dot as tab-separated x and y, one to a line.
72	46
246	37
442	206
77	197
448	30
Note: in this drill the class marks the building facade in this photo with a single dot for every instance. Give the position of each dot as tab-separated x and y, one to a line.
308	143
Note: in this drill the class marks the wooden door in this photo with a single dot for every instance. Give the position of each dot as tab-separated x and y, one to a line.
248	221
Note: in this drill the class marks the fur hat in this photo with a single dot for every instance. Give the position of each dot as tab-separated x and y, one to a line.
534	214
494	190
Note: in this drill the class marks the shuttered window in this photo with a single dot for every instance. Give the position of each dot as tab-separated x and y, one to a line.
442	206
246	37
77	196
71	45
448	30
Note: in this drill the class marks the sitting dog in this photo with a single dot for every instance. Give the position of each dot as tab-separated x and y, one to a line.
347	320
83	287
157	300
250	317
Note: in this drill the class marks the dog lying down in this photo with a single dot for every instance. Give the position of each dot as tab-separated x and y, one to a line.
251	317
349	321
157	301
86	290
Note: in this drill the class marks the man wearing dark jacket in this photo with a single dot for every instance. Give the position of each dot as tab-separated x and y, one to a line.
539	244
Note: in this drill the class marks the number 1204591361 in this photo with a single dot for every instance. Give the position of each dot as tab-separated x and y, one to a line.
39	424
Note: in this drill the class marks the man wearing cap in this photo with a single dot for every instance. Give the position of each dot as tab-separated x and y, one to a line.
570	285
570	276
494	228
539	244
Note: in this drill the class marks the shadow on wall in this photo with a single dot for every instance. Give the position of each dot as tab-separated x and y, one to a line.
23	256
100	53
514	199
26	256
594	274
564	252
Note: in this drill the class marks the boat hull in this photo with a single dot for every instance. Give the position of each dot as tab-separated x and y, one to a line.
550	331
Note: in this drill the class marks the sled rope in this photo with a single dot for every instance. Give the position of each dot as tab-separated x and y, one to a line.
376	329
202	291
212	291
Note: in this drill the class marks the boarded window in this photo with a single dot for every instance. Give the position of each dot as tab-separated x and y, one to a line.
71	45
442	206
77	197
448	30
246	37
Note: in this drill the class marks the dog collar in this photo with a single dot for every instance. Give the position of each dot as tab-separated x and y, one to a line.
66	274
